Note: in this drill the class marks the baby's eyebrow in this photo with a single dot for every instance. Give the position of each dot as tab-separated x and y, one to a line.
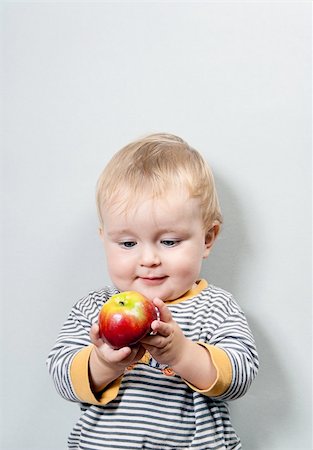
116	233
158	232
173	230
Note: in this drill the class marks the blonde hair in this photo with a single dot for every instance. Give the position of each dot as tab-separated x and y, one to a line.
153	164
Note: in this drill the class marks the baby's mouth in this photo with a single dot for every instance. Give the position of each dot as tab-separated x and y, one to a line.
152	281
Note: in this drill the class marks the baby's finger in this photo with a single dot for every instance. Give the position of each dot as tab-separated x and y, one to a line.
115	356
161	328
94	335
124	354
165	313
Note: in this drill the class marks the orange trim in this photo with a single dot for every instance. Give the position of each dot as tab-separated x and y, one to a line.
146	358
195	290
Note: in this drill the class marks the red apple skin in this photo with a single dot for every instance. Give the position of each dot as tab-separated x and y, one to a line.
126	318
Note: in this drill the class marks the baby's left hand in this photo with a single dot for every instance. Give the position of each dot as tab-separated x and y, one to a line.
168	344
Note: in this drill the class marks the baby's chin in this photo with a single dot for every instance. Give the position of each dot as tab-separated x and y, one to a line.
167	295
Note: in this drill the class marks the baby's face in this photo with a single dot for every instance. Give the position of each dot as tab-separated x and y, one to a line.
157	247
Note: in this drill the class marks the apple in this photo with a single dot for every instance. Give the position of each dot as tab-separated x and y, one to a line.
126	318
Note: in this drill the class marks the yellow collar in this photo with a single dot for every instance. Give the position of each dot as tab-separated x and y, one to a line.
195	290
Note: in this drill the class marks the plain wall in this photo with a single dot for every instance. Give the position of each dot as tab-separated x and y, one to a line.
79	81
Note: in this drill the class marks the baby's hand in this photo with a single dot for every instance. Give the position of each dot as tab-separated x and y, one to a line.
169	342
116	359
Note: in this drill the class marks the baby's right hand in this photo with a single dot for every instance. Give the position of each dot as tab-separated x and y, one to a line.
118	359
107	364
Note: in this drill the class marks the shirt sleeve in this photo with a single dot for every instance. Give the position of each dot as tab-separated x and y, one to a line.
79	375
225	333
235	338
223	368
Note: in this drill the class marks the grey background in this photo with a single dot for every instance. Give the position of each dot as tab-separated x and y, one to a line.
80	80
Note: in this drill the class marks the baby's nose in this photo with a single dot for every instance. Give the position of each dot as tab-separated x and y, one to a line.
149	256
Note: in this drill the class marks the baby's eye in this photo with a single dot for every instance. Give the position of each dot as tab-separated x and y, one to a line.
127	244
170	242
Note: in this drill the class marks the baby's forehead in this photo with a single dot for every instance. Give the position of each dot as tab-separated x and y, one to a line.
175	206
127	198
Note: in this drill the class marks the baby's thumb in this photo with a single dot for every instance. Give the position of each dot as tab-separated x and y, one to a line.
94	335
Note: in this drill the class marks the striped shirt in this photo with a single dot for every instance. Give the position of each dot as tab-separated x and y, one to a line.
149	406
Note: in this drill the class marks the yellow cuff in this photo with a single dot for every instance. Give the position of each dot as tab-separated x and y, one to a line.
223	368
79	373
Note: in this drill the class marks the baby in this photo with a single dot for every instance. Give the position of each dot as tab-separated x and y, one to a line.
159	218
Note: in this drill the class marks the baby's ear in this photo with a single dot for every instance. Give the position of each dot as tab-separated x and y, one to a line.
100	232
210	237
